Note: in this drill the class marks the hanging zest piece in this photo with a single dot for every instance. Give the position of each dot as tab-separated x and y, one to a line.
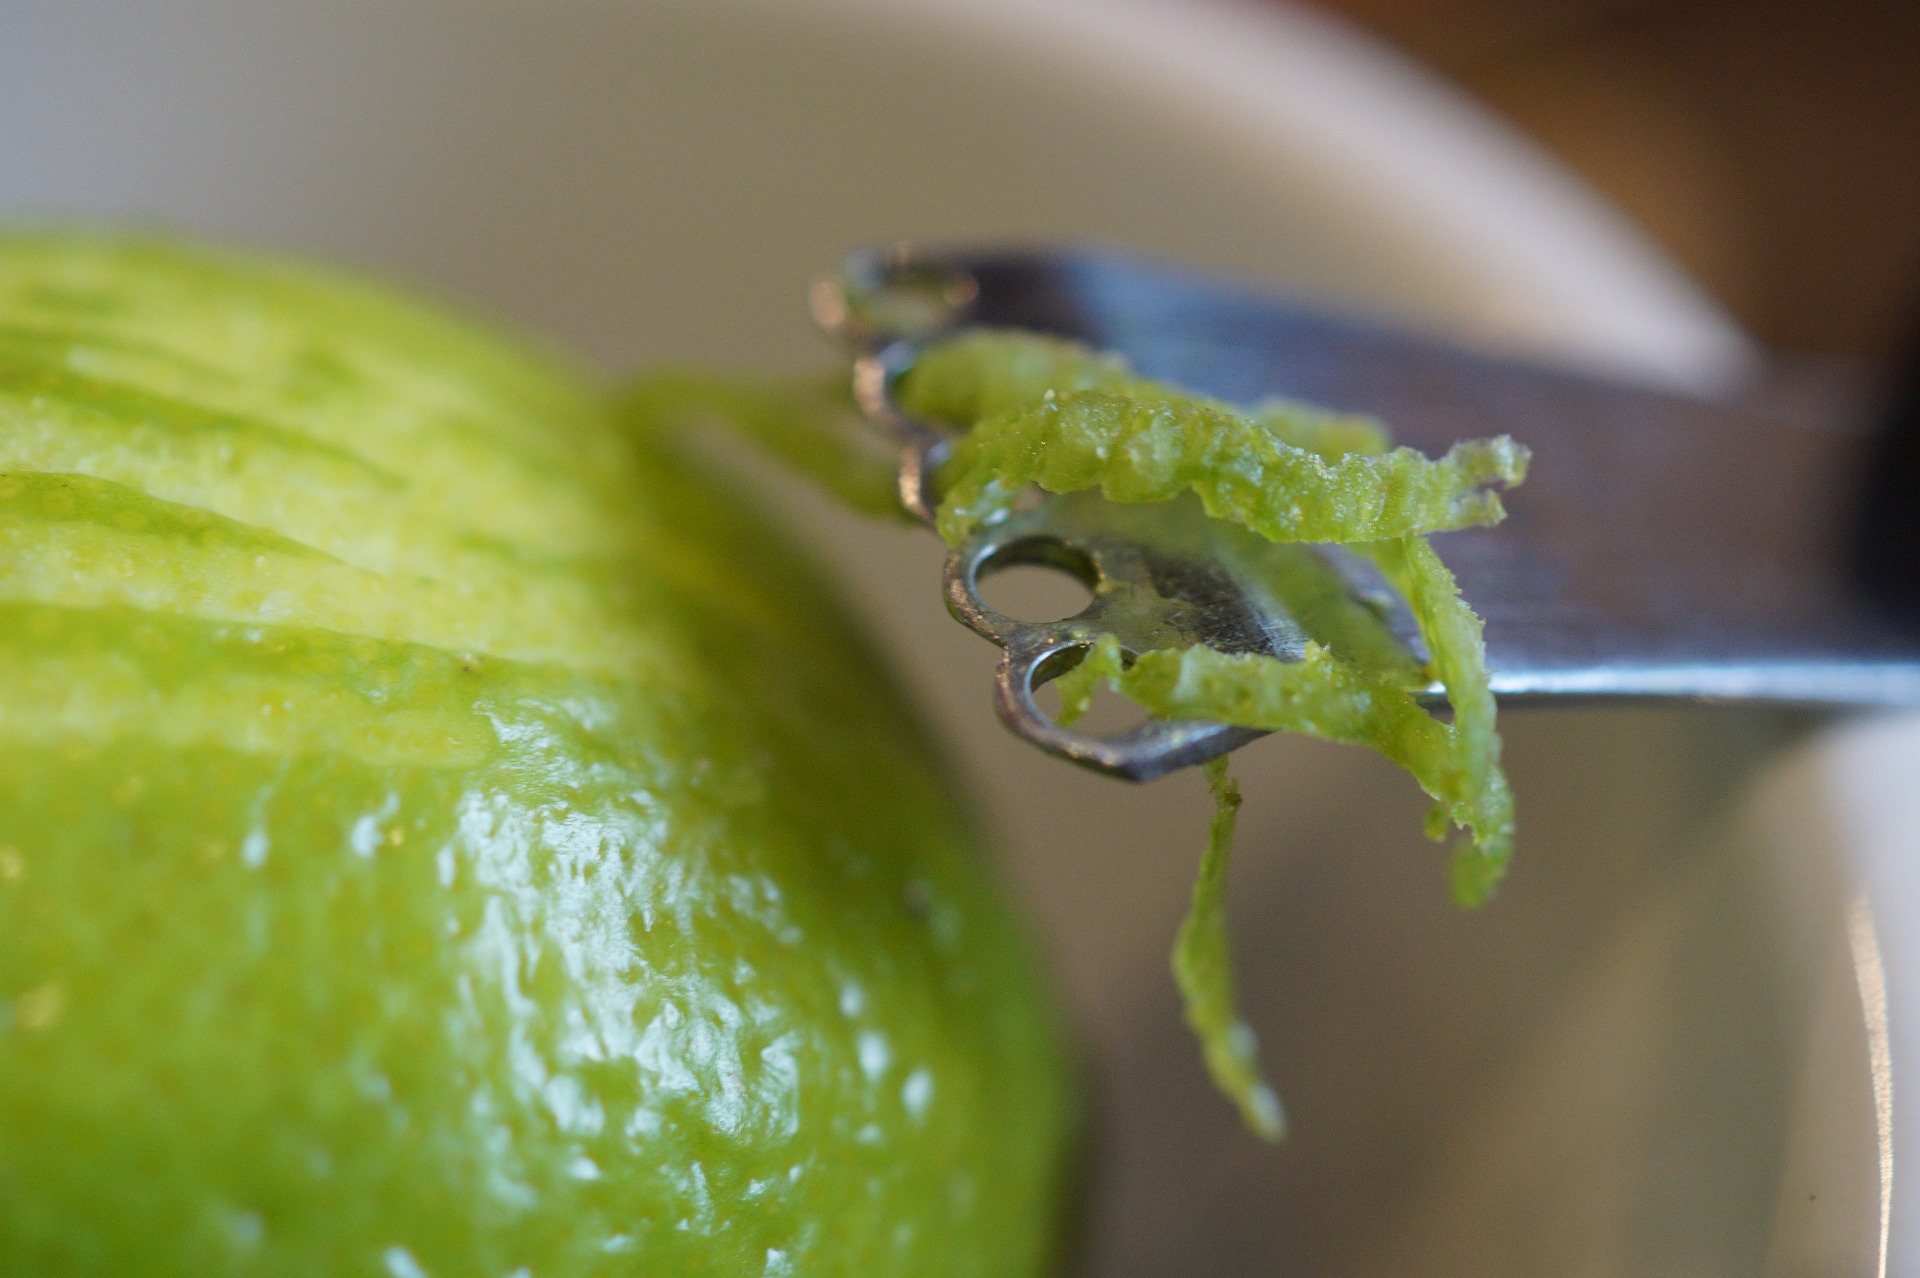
1202	966
1203	969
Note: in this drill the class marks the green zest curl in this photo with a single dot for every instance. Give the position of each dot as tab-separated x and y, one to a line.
1050	413
1039	411
1477	796
1141	441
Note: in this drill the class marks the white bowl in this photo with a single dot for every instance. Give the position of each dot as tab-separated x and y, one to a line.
1648	1057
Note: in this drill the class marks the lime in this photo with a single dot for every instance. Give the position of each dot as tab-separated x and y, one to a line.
440	836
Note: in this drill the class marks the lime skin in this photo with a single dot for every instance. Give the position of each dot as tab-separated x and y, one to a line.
442	836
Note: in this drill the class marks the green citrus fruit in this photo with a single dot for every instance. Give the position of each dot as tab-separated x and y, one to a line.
441	837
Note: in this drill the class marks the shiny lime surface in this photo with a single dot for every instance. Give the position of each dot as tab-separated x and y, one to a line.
441	837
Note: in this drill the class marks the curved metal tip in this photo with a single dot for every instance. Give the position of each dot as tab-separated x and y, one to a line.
1153	749
1159	578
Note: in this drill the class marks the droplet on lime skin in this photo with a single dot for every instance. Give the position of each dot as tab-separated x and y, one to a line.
412	793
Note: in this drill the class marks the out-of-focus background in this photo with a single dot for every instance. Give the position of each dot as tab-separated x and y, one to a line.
1772	146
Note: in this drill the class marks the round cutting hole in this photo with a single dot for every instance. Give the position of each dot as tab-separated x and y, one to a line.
1038	580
